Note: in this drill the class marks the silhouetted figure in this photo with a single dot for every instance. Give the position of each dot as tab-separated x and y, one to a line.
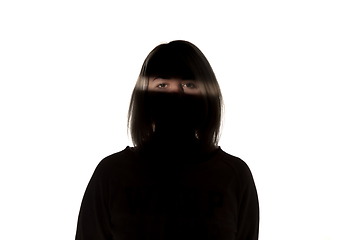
176	182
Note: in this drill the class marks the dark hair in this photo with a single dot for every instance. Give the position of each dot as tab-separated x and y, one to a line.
177	58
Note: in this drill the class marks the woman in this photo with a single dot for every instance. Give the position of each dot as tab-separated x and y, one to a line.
176	182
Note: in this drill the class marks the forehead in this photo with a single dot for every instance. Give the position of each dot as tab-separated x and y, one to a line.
163	76
169	76
167	62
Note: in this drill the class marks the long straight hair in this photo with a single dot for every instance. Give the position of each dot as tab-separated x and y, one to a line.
177	58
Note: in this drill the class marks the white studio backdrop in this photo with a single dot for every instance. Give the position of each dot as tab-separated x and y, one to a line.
289	75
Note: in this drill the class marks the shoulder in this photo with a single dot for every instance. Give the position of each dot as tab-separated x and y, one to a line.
113	161
239	166
116	157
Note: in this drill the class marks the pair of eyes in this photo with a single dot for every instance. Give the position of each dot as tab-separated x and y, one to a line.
187	85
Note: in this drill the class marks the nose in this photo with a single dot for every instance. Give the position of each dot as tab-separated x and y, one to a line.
177	88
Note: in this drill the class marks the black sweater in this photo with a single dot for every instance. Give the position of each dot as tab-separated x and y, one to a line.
130	197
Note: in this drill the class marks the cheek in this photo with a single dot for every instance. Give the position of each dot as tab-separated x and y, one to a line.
170	110
193	92
198	92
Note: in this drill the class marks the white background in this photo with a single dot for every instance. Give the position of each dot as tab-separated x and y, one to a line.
288	71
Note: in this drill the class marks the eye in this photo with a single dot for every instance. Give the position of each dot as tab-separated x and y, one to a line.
161	85
190	85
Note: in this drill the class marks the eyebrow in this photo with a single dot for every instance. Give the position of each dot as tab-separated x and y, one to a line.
163	77
167	78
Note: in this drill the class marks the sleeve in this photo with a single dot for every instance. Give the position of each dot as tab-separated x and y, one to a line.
248	215
94	216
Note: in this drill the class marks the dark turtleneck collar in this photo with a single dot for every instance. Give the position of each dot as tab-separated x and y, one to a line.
180	151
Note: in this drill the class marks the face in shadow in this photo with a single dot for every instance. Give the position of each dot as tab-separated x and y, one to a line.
176	108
